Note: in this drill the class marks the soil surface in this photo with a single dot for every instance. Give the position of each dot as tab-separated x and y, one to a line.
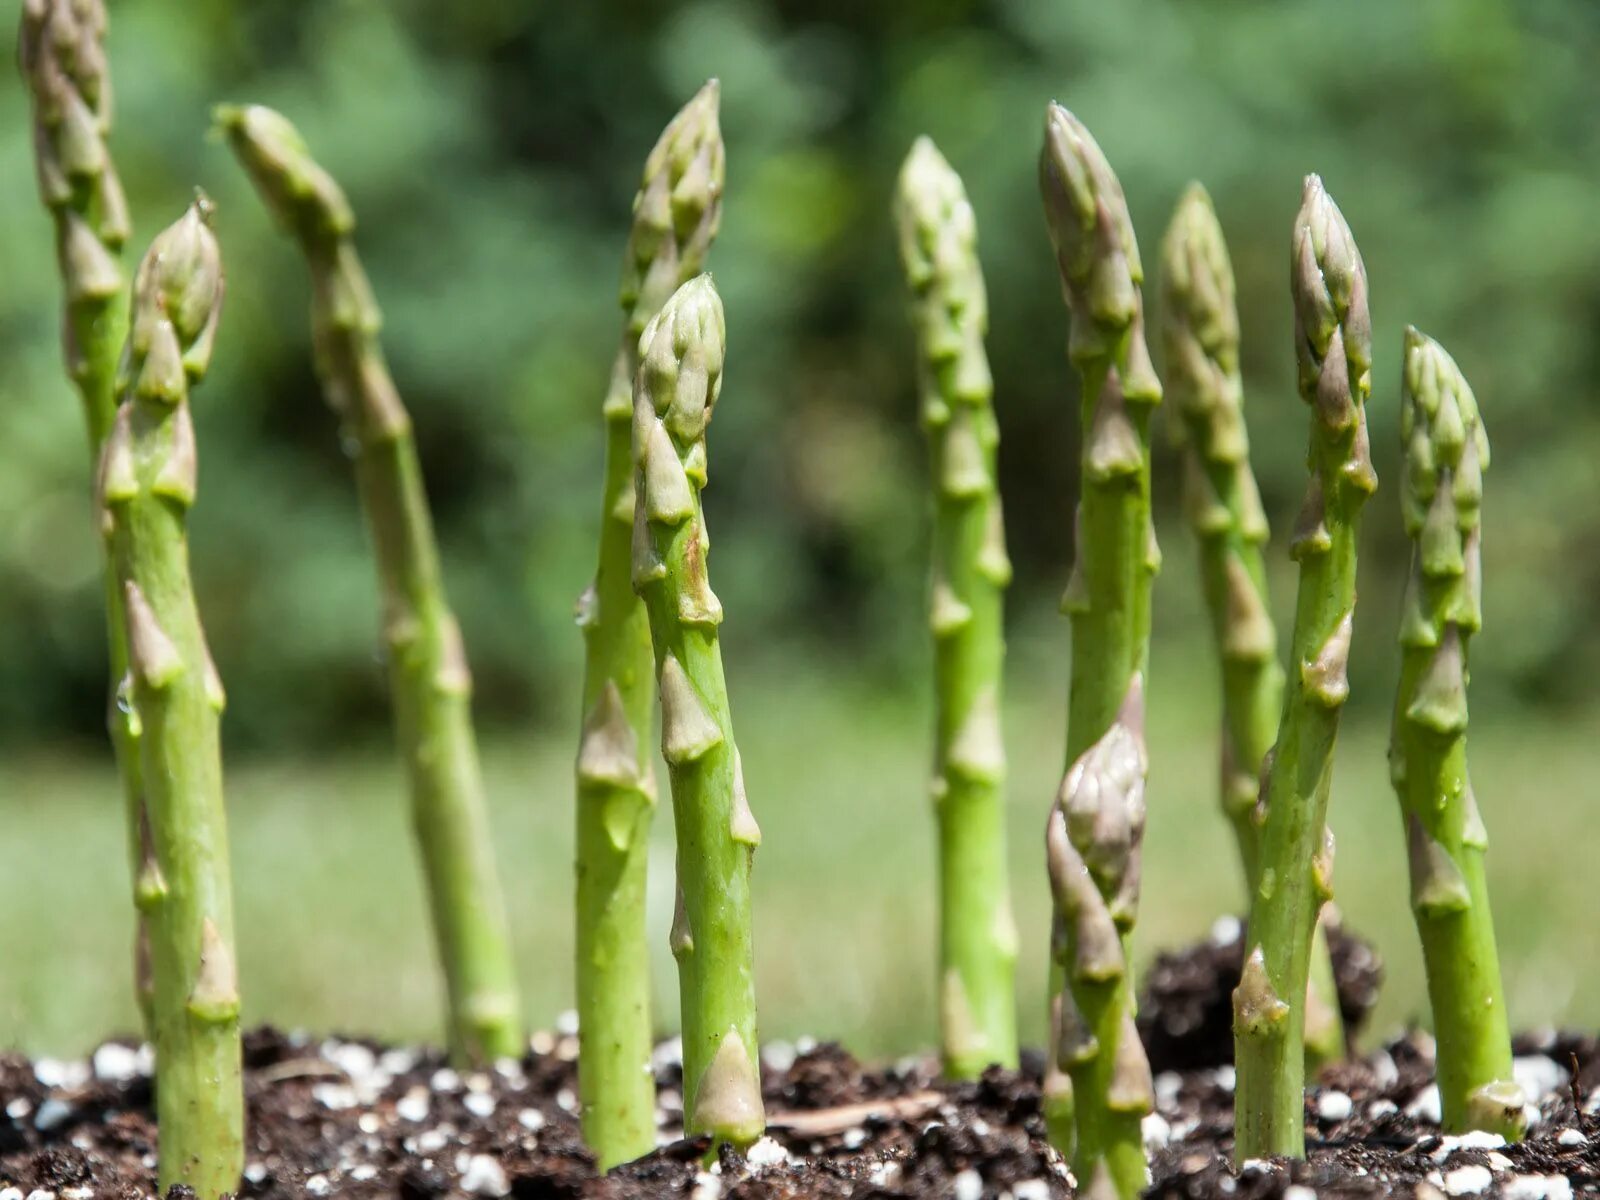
350	1118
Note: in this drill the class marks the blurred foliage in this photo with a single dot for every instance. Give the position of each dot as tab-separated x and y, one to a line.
491	150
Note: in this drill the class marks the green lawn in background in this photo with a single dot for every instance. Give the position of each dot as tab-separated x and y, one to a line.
331	924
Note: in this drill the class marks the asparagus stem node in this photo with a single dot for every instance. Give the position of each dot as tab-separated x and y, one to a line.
676	214
1200	332
1333	341
1446	452
1097	822
146	486
679	379
62	56
977	936
429	678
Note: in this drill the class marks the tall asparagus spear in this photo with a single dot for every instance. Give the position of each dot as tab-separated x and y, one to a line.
675	217
1333	341
147	485
977	938
1446	452
1098	820
680	376
1200	330
62	55
429	679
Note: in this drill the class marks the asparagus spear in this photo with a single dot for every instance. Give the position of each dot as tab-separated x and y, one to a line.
680	376
977	937
1097	822
429	678
1200	330
1333	340
62	55
1446	452
675	218
146	487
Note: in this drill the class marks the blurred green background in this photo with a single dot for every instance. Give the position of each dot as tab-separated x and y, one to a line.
491	150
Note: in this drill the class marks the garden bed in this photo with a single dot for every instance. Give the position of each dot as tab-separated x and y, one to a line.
351	1118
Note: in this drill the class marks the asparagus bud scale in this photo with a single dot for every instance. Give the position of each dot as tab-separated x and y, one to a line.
977	938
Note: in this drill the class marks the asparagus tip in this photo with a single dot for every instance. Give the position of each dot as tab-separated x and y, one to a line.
689	326
61	53
710	93
1195	193
1441	429
1195	217
696	125
1199	314
177	300
678	208
1326	260
928	192
1333	326
1087	216
301	194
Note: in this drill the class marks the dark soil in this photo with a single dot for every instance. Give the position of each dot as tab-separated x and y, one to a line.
1186	1009
347	1118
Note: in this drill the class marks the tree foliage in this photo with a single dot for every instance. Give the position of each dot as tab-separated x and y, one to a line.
491	150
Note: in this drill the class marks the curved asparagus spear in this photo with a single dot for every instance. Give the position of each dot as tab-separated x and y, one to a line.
1200	330
675	217
977	937
429	679
1446	452
1333	340
147	485
1096	825
62	55
680	376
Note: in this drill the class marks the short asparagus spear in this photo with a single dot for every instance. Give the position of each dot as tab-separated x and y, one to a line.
1333	340
63	61
1200	330
680	376
146	486
675	217
428	674
1097	821
1446	452
977	938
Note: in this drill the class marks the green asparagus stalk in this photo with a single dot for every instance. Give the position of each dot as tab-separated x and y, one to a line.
1097	821
62	54
147	486
1200	330
1446	452
977	937
675	219
1333	340
429	678
680	376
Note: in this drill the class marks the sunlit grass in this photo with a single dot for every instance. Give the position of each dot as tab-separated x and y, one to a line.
332	928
